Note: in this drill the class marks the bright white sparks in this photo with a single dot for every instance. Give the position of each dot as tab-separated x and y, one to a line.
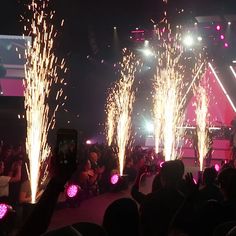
40	75
120	106
111	116
201	122
169	86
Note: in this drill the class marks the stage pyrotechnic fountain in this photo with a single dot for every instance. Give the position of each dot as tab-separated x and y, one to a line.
201	122
168	87
40	75
120	106
111	116
174	62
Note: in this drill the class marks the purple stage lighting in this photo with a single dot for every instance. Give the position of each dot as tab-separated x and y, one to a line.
72	190
218	27
161	164
114	179
217	167
222	37
3	210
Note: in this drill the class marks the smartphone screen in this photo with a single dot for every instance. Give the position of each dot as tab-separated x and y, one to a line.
66	146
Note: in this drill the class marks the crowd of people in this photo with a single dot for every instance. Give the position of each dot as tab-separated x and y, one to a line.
176	206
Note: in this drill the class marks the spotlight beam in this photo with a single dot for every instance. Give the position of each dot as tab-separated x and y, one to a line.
222	87
233	71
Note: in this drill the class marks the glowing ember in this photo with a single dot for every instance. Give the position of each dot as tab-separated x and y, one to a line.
40	75
114	179
72	190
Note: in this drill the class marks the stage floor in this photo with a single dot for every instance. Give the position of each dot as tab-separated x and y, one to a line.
92	210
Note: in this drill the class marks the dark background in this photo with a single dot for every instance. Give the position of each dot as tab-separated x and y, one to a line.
87	43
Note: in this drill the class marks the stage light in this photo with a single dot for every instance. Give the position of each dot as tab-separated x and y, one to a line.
4	209
218	27
229	23
217	167
161	164
114	27
226	45
222	87
149	127
199	38
146	43
188	41
222	37
89	142
72	190
233	71
114	179
147	52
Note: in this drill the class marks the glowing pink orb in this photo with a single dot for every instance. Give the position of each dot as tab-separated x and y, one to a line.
88	142
218	27
226	45
222	37
3	210
161	164
114	179
72	190
217	167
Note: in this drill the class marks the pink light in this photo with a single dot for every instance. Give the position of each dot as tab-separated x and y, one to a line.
88	142
3	210
161	164
217	167
218	27
114	179
137	31
72	190
195	181
226	45
222	36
